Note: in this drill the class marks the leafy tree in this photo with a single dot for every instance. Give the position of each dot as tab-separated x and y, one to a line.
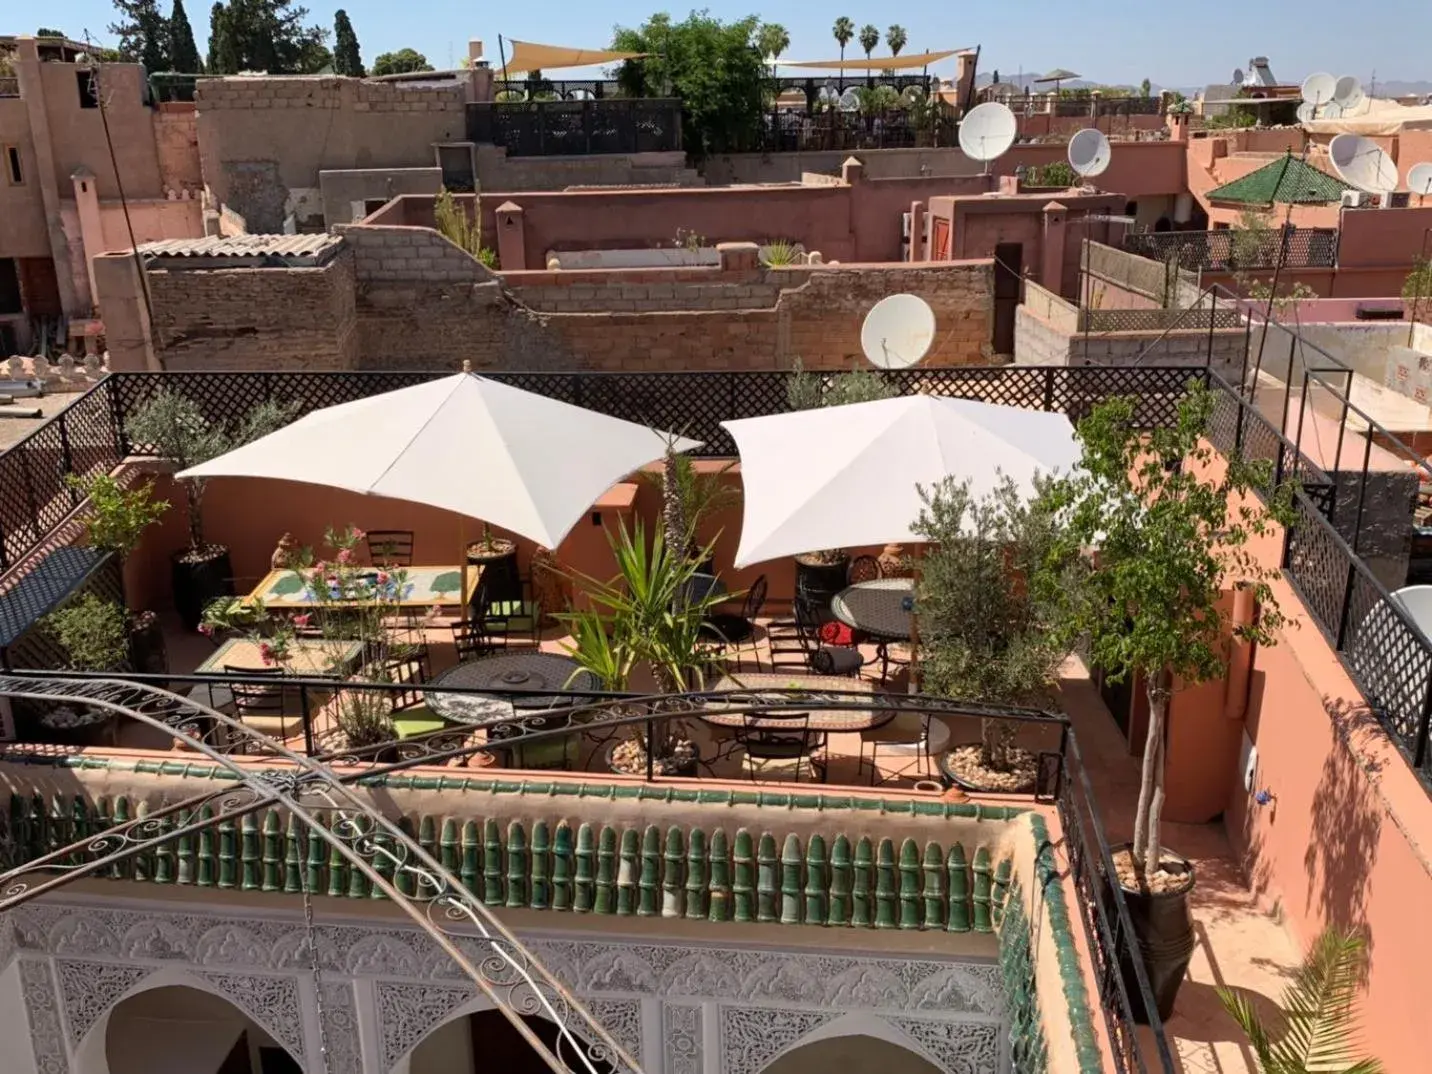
183	53
896	38
1146	88
1318	1009
843	30
984	632
143	34
401	62
346	58
1172	534
265	35
714	67
994	81
1418	285
772	40
45	31
809	390
214	64
869	39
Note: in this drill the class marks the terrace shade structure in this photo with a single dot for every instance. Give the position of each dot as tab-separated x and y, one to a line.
862	487
911	62
530	56
525	462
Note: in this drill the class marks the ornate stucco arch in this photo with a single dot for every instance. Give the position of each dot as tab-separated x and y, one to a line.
859	1024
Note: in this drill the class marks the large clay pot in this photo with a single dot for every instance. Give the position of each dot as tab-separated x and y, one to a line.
200	576
498	559
819	581
1164	929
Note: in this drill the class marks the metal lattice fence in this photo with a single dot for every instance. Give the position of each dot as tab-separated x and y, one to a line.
1229	249
577	127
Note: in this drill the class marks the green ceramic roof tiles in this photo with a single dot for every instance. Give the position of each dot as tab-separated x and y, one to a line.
1286	181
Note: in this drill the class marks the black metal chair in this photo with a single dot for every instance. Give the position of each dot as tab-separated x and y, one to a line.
781	752
863	569
796	643
390	548
507	620
908	730
727	630
470	641
264	707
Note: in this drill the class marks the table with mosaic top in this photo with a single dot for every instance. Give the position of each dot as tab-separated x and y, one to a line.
307	657
507	671
423	587
827	721
882	608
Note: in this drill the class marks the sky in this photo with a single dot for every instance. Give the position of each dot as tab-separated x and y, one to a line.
1113	41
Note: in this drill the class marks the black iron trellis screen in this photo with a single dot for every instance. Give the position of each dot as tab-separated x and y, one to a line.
1229	249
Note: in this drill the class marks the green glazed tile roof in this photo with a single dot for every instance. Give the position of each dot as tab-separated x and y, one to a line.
1288	181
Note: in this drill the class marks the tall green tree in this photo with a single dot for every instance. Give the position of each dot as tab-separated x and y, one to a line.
843	30
896	38
266	35
869	40
45	31
772	40
401	62
183	53
1173	533
714	67
143	34
346	57
1145	89
216	31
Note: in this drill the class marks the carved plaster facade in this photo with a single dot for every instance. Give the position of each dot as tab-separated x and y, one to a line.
676	1007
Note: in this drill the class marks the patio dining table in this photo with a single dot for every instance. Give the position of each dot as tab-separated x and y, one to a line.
287	589
504	672
826	721
882	608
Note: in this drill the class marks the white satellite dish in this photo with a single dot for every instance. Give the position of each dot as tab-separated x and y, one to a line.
1306	112
1089	152
1237	76
1347	89
988	131
1331	110
1361	162
850	101
1419	180
1318	89
897	331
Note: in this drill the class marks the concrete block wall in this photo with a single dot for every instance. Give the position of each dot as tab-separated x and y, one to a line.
176	140
384	254
643	290
1038	342
309	92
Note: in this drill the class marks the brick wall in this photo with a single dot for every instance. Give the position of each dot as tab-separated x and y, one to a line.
176	140
497	172
643	290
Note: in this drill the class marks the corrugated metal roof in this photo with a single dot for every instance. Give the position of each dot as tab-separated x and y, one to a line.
295	249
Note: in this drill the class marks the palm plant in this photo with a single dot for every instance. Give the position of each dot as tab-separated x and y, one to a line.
869	41
896	38
772	39
1319	1031
843	30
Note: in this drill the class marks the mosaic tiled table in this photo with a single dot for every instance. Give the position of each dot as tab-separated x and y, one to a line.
423	587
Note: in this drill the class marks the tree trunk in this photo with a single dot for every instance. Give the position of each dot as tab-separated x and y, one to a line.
192	494
1151	783
994	742
673	510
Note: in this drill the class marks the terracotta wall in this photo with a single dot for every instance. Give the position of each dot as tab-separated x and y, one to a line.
22	211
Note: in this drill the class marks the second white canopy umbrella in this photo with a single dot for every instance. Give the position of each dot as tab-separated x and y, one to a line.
524	462
847	476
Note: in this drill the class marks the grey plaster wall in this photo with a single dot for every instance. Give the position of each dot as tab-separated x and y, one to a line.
340	187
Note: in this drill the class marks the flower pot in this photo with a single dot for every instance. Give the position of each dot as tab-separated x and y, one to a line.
77	725
819	581
200	576
498	559
148	653
1164	929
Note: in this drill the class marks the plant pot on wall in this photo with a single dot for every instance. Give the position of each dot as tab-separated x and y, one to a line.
200	576
820	576
1164	928
497	557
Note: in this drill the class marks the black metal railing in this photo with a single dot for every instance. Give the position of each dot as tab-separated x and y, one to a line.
787	130
577	127
548	89
1236	249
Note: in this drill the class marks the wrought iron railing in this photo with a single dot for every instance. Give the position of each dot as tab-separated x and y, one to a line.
794	130
548	89
1235	249
577	127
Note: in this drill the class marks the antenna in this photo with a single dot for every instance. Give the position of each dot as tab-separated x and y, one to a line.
1347	94
1361	162
1419	180
987	132
898	331
1089	152
1319	89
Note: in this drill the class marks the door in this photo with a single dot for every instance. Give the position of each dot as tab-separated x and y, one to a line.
939	239
1008	262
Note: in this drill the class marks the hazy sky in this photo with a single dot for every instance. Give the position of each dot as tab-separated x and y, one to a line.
1116	41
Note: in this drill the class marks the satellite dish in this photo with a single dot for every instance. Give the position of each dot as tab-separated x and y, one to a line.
1361	162
1237	76
1305	112
1347	89
988	131
1318	89
850	101
897	331
1332	110
913	94
1419	179
1089	152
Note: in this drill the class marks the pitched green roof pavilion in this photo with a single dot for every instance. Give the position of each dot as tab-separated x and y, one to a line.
1288	181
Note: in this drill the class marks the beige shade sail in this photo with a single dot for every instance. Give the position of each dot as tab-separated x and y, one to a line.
875	63
530	56
1376	116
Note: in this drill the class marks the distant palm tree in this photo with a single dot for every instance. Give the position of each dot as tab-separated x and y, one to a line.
772	39
895	37
869	41
844	30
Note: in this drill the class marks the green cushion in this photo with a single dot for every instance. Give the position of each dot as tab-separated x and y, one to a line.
509	609
419	720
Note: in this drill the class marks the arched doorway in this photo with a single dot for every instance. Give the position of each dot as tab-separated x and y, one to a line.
176	1029
856	1054
485	1042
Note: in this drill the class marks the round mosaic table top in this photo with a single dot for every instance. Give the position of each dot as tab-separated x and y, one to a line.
882	608
747	688
506	671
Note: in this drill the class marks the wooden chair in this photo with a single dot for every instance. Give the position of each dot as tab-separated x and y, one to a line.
781	753
263	707
390	548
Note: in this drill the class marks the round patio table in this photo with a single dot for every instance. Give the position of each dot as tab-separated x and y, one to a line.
882	608
828	721
506	671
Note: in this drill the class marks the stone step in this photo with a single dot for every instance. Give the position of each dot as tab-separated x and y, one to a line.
11	411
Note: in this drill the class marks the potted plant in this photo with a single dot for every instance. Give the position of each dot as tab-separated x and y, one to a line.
173	427
984	632
648	616
688	498
94	634
1317	1028
496	557
116	523
1171	534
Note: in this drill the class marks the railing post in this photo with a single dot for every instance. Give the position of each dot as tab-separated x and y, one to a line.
1419	749
1212	321
1345	613
307	724
650	753
67	459
1049	388
116	417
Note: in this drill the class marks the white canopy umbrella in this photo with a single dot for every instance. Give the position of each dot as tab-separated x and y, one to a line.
847	476
518	460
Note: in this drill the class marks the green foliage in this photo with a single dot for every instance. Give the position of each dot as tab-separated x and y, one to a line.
173	426
896	39
1146	88
875	100
346	58
45	31
1418	285
1172	533
460	229
1179	105
1319	1021
118	516
807	391
869	38
264	35
714	67
144	34
183	52
1234	119
1055	173
772	40
844	32
984	632
93	632
401	62
697	495
780	252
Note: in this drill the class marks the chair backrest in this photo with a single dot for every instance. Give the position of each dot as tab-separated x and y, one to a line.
256	699
755	599
863	569
390	548
410	671
470	640
760	738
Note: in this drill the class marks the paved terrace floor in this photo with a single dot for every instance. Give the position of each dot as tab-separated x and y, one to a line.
1237	942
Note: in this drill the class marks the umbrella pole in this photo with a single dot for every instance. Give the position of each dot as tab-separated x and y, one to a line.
916	560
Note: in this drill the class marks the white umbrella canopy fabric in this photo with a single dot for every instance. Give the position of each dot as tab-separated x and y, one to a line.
515	459
847	476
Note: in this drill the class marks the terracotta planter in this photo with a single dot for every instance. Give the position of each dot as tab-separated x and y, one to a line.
498	560
1164	929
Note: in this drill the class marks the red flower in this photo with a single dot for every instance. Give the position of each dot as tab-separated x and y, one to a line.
382	578
358	534
302	620
206	630
320	567
266	653
345	555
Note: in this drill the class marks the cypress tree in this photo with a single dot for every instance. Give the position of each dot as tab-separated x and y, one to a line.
183	53
217	14
346	57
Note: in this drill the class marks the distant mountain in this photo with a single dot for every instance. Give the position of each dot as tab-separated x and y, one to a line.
1026	81
1387	88
1394	88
